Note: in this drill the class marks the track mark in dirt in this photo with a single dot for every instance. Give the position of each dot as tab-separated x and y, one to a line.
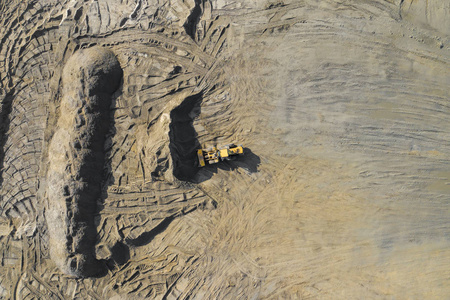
232	55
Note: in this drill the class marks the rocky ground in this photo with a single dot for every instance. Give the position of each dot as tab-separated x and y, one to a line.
342	106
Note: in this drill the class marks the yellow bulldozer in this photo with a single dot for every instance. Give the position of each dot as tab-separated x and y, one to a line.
213	155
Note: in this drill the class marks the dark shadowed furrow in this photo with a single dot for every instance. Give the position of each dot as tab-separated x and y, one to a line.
183	138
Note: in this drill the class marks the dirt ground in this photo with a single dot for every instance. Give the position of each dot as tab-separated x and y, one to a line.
343	191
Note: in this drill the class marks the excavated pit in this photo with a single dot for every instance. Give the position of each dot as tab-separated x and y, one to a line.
183	138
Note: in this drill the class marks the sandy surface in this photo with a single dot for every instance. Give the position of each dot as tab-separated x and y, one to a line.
342	107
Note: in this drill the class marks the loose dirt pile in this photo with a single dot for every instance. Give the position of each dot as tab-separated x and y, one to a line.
342	107
77	157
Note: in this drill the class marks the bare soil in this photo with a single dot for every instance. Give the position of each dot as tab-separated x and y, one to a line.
343	189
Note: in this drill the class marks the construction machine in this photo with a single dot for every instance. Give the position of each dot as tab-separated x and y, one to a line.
213	155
